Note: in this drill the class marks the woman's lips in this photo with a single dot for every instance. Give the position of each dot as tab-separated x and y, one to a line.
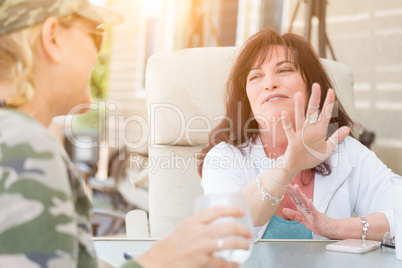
273	98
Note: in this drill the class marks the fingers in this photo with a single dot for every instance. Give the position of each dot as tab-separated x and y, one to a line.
299	111
337	137
292	215
314	102
287	125
209	215
229	243
229	228
291	193
297	194
305	205
235	243
301	204
311	207
301	196
328	107
211	244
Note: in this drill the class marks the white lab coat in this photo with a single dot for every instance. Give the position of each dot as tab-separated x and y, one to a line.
359	181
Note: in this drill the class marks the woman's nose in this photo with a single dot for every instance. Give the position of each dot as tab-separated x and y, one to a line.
271	83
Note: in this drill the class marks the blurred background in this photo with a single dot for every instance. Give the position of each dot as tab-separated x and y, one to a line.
366	35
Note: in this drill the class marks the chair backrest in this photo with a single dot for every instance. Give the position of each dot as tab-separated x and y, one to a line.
185	102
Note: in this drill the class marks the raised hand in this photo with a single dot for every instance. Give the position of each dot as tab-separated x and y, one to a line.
307	142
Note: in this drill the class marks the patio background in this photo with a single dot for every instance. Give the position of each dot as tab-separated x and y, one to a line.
365	34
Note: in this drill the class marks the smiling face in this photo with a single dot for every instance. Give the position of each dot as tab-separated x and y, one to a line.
271	86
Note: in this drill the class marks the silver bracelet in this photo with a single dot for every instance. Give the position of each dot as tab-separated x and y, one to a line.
274	182
265	195
366	225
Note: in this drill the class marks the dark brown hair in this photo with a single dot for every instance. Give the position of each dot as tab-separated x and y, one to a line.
256	48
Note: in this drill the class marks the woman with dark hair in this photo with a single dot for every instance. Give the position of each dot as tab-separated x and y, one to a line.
286	145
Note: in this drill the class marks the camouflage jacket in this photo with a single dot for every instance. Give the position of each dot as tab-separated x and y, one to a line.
44	212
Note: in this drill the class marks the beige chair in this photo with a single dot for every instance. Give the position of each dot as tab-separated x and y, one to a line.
185	101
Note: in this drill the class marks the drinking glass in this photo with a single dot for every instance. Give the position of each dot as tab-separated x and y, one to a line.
235	199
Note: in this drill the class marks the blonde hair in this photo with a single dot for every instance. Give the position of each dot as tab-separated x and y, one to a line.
16	63
17	59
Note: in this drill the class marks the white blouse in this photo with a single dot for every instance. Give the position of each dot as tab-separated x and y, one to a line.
359	183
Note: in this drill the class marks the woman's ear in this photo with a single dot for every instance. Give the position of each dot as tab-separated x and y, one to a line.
51	39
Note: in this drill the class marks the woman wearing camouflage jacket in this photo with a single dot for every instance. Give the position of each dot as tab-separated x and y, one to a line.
46	59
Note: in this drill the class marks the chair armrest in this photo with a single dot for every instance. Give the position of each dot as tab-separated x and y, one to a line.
137	224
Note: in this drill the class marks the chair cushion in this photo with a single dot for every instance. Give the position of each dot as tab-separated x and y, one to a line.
174	184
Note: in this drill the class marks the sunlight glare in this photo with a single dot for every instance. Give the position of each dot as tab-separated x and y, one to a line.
151	8
98	2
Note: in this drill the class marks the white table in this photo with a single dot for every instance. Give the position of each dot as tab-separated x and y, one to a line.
268	253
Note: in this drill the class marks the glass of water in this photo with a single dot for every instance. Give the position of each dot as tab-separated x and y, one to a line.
235	199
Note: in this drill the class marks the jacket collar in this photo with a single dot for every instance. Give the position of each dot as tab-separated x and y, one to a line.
328	185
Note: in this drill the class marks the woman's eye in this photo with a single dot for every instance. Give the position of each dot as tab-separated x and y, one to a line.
285	70
253	77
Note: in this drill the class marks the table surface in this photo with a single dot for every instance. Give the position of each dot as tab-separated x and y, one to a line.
266	252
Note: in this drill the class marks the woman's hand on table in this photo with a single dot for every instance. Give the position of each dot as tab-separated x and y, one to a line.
307	138
308	215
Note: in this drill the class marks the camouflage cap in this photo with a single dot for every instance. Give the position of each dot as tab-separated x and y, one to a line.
18	14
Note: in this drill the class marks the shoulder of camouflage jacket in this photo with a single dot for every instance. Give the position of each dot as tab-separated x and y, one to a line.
39	223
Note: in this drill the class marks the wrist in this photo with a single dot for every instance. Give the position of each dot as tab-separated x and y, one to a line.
349	228
365	226
273	184
336	233
284	170
281	171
